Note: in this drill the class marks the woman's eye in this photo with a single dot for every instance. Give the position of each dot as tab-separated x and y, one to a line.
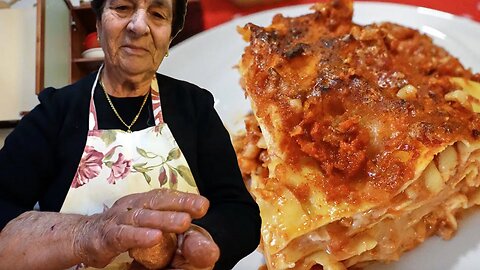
158	15
122	8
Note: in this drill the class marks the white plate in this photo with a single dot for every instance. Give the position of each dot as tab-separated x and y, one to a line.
208	60
93	53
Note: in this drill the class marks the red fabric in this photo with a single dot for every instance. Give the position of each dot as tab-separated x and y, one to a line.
216	12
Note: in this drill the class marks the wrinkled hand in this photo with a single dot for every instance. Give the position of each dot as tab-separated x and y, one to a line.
196	250
135	220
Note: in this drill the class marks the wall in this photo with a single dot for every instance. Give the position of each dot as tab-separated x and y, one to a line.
24	4
17	66
57	44
23	22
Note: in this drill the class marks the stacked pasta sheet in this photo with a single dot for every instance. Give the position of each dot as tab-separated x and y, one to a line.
364	140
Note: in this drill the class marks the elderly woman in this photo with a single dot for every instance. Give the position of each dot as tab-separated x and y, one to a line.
116	161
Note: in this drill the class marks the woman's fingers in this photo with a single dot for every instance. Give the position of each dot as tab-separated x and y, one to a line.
167	221
166	200
199	250
137	221
171	200
123	237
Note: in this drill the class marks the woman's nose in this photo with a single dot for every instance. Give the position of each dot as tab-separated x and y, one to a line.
139	24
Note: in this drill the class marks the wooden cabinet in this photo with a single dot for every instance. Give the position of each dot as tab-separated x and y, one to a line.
61	31
82	23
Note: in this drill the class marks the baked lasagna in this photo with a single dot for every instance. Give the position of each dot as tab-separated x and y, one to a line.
364	140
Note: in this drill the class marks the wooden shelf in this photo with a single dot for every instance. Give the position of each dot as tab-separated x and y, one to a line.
84	19
86	5
88	60
83	22
70	6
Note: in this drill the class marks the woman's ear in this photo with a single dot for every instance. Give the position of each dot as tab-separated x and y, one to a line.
99	30
98	24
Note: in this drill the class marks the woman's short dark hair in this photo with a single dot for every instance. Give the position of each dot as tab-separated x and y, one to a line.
179	11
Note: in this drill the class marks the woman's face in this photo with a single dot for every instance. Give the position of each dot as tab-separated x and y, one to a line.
135	34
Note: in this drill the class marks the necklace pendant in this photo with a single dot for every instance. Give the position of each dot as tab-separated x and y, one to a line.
129	131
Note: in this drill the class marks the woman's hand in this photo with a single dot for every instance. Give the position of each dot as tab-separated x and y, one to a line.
137	220
196	250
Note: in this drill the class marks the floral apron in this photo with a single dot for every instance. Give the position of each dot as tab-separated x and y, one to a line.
116	163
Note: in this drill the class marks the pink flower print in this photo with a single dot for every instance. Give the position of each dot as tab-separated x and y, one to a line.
120	169
173	181
162	176
89	167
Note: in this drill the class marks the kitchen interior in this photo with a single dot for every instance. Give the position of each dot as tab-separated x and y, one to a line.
21	62
51	43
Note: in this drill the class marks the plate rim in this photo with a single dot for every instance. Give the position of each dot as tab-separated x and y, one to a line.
430	12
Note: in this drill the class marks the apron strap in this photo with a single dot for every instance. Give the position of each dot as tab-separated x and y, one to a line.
92	115
156	102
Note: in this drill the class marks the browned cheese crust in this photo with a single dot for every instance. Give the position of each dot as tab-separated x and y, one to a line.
358	101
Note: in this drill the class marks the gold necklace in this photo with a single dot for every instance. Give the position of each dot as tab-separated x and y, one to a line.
118	115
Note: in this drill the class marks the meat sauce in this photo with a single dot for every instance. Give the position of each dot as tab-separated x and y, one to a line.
346	78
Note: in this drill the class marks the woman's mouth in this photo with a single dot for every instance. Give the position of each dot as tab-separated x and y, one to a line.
134	50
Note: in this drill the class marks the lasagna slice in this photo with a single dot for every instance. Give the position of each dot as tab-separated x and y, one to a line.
364	139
